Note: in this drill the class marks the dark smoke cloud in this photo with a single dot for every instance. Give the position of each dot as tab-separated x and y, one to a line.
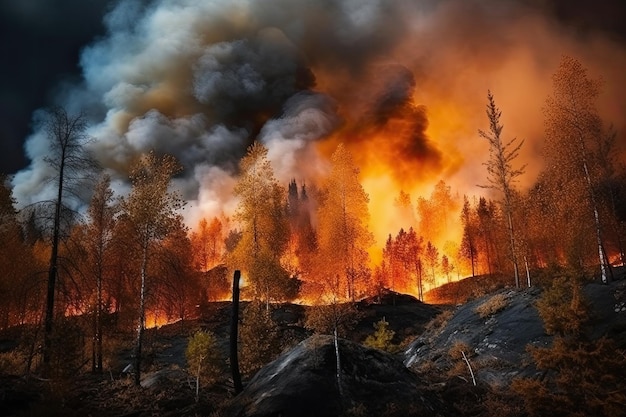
201	80
404	80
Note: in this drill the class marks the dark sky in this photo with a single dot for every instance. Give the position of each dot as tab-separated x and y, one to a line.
40	43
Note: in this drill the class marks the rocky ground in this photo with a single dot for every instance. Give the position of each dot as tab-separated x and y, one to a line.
430	376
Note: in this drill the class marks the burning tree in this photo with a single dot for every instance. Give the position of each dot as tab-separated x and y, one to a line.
500	172
574	136
208	242
402	257
431	255
468	243
20	288
265	230
343	217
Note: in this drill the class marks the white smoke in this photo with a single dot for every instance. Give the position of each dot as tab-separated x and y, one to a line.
202	79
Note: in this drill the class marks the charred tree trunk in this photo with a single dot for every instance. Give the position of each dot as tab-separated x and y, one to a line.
52	272
234	324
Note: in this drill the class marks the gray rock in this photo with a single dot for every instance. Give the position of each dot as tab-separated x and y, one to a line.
302	382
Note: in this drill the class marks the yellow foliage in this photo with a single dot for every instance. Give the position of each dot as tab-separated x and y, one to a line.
381	339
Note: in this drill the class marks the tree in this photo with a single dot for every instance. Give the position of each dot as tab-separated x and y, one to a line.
20	288
402	258
302	246
265	229
434	213
179	290
260	338
381	339
580	375
343	218
574	133
391	262
415	253
487	222
151	210
446	267
432	260
500	172
336	319
202	354
69	162
207	242
441	198
468	243
101	213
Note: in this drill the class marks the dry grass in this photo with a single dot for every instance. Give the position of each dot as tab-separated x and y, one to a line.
458	367
440	320
492	306
459	346
12	363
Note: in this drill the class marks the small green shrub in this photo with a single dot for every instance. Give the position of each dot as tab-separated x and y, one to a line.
381	339
203	358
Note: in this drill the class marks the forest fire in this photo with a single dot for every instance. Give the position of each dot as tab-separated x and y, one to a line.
327	150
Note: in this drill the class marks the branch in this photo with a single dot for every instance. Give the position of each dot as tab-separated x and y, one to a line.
469	367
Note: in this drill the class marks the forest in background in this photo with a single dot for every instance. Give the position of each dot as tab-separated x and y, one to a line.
133	256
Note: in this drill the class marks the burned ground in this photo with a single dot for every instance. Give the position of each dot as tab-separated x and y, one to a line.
493	331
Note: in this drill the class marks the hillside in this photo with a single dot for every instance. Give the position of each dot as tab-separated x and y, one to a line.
428	377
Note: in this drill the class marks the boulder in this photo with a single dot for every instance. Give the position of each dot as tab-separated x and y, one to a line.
303	382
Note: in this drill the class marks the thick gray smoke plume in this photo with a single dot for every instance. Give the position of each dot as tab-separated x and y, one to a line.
202	79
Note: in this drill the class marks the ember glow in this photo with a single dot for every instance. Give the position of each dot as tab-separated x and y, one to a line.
402	84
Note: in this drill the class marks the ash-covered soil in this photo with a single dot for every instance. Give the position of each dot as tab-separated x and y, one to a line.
429	377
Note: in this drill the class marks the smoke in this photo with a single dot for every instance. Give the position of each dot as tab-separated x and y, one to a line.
403	83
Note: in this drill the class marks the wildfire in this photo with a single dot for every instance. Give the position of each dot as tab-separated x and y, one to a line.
156	320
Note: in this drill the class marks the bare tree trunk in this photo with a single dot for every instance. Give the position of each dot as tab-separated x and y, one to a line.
527	271
198	380
142	315
52	272
234	324
596	218
420	286
472	260
338	360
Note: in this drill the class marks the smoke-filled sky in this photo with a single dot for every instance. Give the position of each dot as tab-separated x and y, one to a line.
403	83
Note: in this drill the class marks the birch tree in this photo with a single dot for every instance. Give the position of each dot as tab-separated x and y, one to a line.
101	212
151	210
501	174
574	134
